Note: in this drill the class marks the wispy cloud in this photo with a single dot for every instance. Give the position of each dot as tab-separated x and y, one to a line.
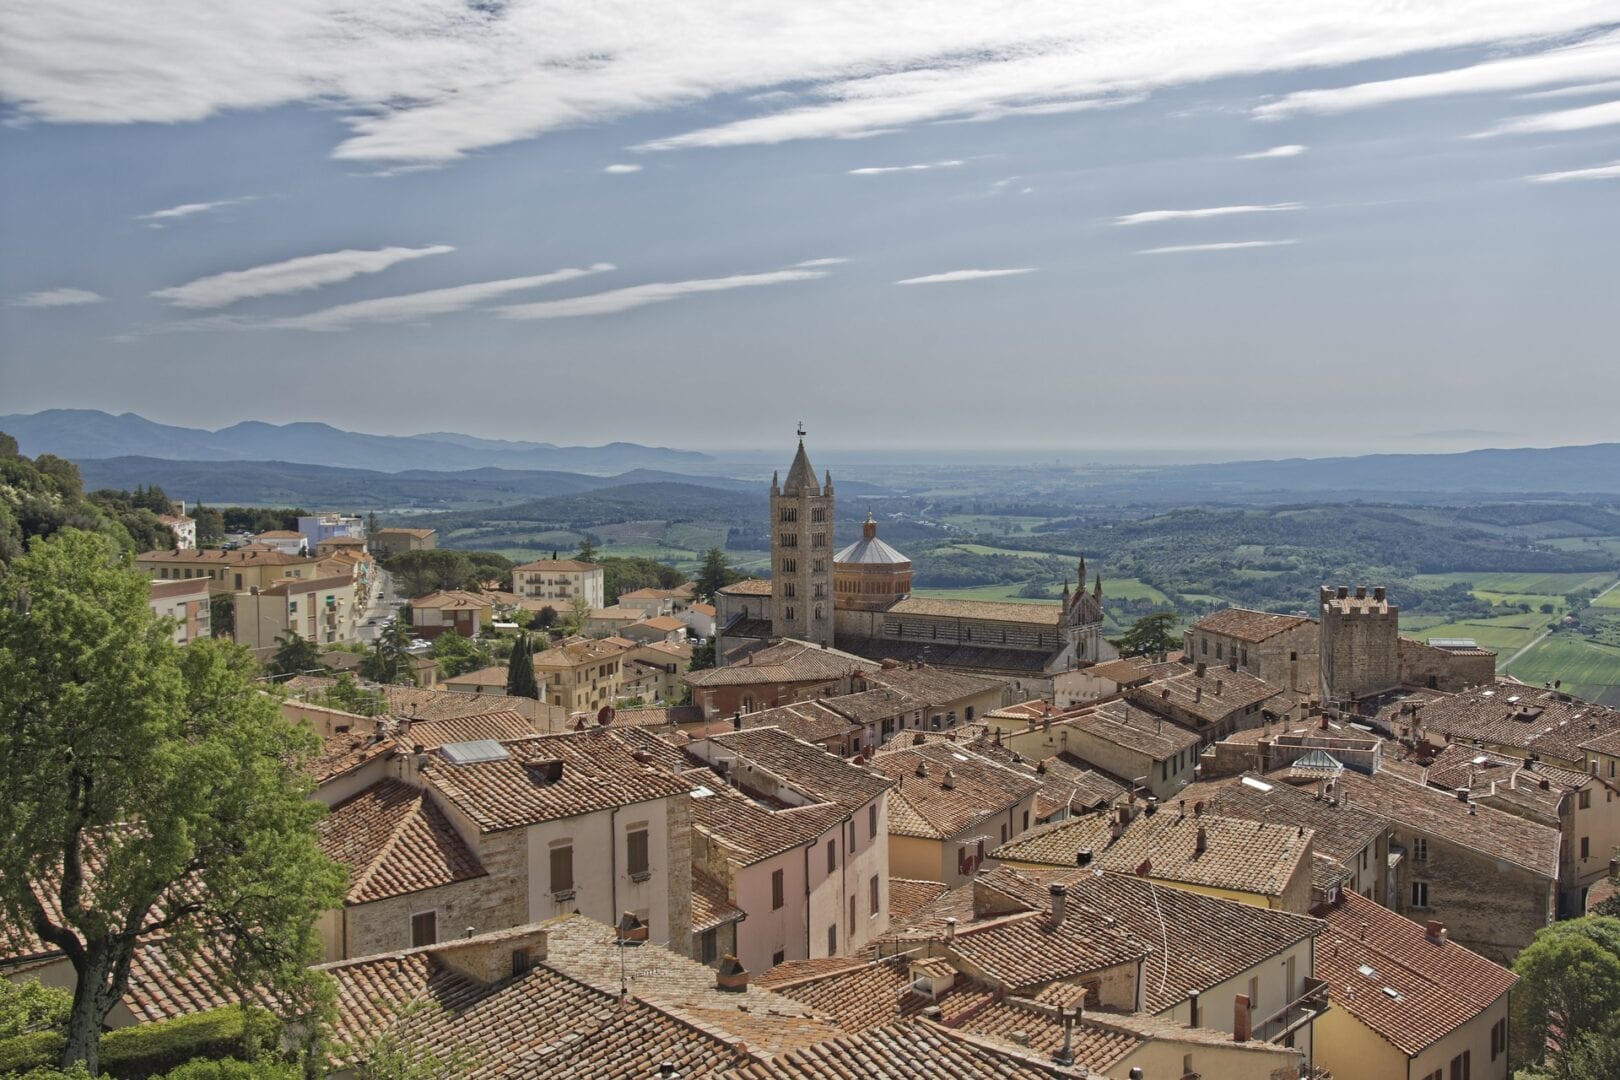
1579	90
879	170
438	82
1291	150
1605	114
1610	171
622	168
965	275
819	262
1147	217
50	298
411	307
1230	245
174	213
616	300
294	275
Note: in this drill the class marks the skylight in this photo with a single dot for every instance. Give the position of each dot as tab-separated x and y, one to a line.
1367	971
1258	785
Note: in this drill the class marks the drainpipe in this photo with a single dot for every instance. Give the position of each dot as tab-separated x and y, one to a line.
613	869
807	900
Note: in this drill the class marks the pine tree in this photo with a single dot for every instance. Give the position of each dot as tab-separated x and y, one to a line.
520	680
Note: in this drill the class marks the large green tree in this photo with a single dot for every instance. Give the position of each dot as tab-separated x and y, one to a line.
1149	634
715	574
389	660
295	654
458	655
520	680
149	790
1569	989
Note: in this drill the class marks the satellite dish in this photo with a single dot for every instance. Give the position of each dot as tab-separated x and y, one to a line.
605	715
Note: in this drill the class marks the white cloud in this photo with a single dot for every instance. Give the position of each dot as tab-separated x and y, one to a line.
1591	116
1597	58
819	262
878	170
1610	171
1147	217
965	275
50	298
293	275
410	307
185	210
1291	150
432	81
1578	90
616	300
620	169
1230	245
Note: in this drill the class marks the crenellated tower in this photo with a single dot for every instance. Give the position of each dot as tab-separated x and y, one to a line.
802	553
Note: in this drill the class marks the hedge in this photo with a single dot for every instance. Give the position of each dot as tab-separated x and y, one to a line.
147	1050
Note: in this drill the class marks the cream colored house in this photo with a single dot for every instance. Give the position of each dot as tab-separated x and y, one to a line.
1407	1001
559	582
581	676
226	571
186	602
322	610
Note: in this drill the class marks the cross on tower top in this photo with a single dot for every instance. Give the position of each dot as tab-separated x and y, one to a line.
801	429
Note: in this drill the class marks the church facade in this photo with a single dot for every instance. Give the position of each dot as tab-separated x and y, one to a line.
858	600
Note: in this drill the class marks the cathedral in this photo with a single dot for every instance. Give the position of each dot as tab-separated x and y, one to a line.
858	600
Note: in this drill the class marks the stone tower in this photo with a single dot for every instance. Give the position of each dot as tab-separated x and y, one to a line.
801	553
1359	643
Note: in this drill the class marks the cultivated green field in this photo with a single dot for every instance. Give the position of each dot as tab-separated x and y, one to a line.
1520	584
983	549
1610	599
1586	669
1505	633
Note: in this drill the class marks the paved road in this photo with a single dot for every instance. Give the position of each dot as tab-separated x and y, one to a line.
383	604
1509	661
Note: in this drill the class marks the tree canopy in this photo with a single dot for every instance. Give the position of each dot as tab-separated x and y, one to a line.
295	654
716	574
150	790
1569	989
520	680
1149	634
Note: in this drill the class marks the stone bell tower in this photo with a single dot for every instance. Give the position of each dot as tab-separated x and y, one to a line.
801	553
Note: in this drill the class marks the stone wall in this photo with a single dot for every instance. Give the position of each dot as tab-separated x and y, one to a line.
1443	669
1493	907
384	926
1358	644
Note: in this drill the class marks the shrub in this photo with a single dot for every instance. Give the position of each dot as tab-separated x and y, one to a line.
149	1050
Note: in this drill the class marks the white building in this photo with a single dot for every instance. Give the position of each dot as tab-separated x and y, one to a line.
318	527
559	581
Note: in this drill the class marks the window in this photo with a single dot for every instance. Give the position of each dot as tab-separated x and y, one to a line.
424	929
872	894
832	856
710	943
292	606
1586	847
1498	1038
790	566
635	844
1026	820
1586	800
1420	849
832	939
777	957
562	869
852	917
777	895
1203	646
1420	894
1459	1066
871	811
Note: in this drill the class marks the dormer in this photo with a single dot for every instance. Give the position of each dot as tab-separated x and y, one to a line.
931	978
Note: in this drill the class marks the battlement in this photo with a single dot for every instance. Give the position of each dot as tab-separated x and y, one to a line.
1342	600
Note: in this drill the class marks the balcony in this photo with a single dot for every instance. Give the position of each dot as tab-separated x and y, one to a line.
1311	1003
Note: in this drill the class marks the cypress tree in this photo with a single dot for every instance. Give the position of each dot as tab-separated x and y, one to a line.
520	681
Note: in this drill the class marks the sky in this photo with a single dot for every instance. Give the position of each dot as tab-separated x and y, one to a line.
1288	228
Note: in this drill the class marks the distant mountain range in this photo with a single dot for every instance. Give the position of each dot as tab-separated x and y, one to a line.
81	434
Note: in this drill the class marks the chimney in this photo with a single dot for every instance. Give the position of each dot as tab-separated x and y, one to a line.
1082	857
1192	1009
1344	592
1220	684
1462	794
1202	844
1241	1029
948	781
950	929
1361	592
736	722
1200	669
1544	784
1198	808
922	769
1060	898
1198	694
1436	932
731	976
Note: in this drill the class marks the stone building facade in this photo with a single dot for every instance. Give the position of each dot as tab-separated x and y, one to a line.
1359	643
1451	669
802	554
1280	649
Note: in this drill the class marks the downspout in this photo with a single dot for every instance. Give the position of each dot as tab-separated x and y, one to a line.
843	899
807	900
613	869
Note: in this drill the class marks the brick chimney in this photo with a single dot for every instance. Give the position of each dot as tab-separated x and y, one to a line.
1200	669
1201	845
1060	901
731	976
1436	932
1198	694
1242	1028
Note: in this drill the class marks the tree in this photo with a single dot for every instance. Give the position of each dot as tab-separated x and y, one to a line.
520	680
222	616
702	656
715	574
417	573
389	660
587	550
1569	987
1149	634
351	697
27	1006
149	790
210	525
579	609
295	654
457	655
545	618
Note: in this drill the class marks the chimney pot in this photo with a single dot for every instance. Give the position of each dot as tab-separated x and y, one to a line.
1198	808
1200	669
1203	841
1378	593
731	976
950	928
1060	896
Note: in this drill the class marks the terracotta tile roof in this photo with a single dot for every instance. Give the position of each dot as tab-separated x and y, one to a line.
908	896
561	566
220	557
811	721
280	534
494	675
422	534
657	715
1245	856
783	662
394	841
748	587
790	972
753	832
1368	603
985	610
1210	697
933	686
910	1050
872	706
1069	787
980	789
1487	830
806	768
1339	831
497	724
284	586
452	600
1124	671
1548	722
1438	985
1133	728
1095	1045
1608	743
1251	626
416	704
711	907
859	994
998	662
703	609
346	752
572	655
597	772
